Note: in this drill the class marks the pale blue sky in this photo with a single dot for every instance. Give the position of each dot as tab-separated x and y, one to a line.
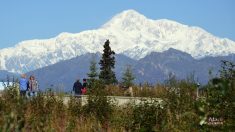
38	19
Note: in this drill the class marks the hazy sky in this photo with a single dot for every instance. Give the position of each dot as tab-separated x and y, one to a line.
41	19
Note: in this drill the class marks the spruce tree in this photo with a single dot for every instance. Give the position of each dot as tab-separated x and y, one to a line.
128	77
107	64
93	74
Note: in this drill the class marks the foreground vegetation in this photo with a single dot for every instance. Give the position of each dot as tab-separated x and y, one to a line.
181	109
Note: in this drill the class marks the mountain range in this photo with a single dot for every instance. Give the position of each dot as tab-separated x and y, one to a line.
130	34
154	68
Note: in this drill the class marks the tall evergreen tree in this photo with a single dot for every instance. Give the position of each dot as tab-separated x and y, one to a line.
128	76
107	64
93	74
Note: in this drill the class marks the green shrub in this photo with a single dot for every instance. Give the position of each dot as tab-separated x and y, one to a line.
98	104
148	116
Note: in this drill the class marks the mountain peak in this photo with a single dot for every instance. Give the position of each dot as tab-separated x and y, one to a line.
129	12
125	18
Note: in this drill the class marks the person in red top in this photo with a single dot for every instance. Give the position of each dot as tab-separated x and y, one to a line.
84	86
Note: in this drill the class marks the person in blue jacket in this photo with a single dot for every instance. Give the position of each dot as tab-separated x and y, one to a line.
23	82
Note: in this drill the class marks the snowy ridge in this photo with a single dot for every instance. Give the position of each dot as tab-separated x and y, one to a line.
129	32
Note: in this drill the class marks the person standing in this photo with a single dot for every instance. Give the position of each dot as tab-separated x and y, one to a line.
77	88
33	86
84	86
23	82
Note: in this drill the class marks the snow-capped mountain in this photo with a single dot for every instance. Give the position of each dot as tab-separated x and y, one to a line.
129	32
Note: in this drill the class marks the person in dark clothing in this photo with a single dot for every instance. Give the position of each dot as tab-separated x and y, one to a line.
77	87
84	86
